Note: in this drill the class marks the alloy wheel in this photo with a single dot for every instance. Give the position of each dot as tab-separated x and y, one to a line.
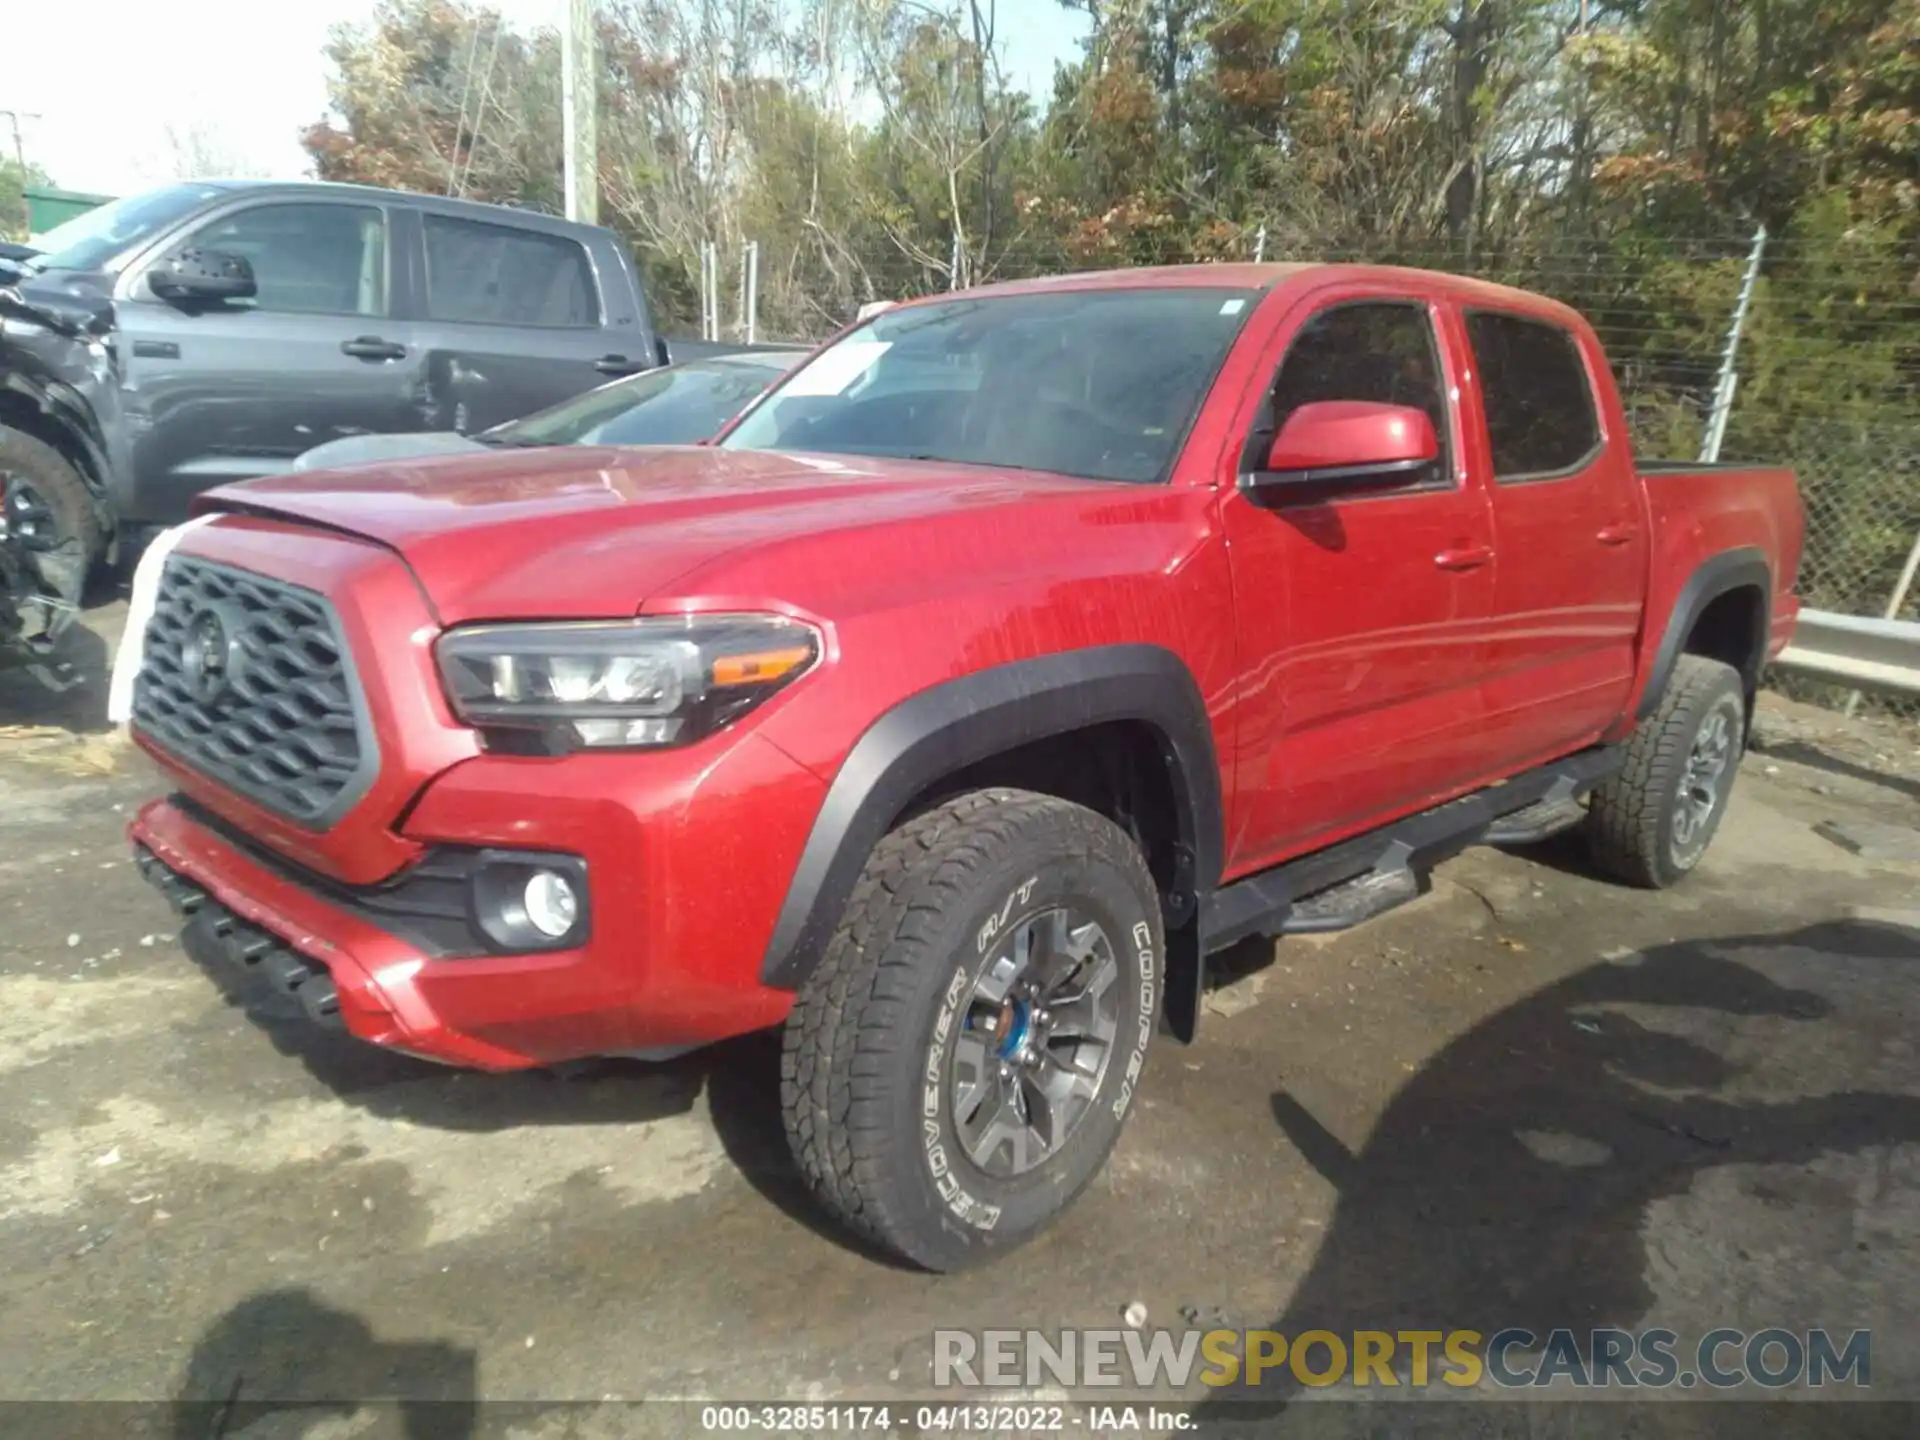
1038	1035
1703	780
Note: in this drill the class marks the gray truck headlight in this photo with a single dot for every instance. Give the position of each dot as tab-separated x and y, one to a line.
618	684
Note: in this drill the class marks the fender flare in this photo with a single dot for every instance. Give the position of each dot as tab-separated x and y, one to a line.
65	410
942	730
1729	570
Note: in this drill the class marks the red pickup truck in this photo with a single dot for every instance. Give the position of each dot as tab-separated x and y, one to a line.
1018	650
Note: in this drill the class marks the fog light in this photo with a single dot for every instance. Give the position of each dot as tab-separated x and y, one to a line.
524	900
552	907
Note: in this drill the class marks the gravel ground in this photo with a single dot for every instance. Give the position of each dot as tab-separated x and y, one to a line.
1531	1098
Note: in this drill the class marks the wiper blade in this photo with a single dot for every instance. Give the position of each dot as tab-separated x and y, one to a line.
509	442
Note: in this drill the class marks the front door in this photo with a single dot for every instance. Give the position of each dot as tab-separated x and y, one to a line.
1361	615
227	391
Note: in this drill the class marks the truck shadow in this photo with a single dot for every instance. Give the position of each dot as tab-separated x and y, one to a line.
66	689
739	1078
1508	1183
286	1363
398	1087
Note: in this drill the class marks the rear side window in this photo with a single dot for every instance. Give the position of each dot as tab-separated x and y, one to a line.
1540	413
497	275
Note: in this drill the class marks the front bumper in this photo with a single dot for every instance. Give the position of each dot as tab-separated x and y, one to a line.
687	854
684	897
346	971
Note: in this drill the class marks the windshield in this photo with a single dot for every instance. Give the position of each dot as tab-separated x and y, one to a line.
88	241
674	406
1093	383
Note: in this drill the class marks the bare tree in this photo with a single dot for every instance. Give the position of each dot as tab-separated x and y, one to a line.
196	151
930	81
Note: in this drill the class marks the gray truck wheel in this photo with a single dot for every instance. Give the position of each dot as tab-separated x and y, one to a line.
1650	823
958	1066
49	513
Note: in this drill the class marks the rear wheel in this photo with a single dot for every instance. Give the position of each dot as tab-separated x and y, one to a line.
1650	823
958	1066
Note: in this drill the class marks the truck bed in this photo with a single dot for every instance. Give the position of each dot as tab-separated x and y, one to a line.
1703	509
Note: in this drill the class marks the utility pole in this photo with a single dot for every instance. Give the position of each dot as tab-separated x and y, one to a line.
14	117
750	289
579	100
709	290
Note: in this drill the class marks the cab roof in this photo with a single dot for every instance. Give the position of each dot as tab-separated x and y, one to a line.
1303	275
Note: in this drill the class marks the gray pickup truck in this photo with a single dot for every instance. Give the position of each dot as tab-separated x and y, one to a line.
209	332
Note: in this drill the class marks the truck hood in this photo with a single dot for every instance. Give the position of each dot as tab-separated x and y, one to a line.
596	531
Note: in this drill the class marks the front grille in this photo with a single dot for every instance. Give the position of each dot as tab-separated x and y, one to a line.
248	681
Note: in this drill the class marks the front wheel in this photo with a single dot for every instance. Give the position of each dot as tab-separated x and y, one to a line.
958	1067
48	522
1650	823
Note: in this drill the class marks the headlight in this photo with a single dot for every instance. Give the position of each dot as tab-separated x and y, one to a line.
618	684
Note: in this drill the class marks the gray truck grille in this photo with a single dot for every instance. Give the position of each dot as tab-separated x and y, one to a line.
248	681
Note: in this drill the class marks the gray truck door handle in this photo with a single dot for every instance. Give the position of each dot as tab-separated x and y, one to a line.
372	347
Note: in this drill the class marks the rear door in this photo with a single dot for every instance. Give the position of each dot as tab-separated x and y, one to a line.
227	391
1568	524
512	321
1360	614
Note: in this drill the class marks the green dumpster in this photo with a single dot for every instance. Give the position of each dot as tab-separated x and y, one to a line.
48	206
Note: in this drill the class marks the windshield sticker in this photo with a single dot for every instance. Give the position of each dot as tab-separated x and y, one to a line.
837	368
1232	307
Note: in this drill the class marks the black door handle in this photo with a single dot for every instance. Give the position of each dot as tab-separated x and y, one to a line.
618	365
372	347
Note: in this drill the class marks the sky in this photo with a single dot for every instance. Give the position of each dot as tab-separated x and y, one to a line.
100	118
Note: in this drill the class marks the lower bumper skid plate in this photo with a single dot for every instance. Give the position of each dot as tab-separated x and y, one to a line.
246	946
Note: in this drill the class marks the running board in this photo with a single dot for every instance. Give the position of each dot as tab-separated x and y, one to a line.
1539	821
1357	879
1341	907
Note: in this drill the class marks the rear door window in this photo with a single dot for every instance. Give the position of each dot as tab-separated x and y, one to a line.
498	275
1541	418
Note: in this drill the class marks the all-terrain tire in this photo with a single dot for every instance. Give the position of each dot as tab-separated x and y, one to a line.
1636	828
865	1070
67	538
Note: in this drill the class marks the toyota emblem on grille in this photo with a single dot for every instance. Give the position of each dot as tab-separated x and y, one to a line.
209	656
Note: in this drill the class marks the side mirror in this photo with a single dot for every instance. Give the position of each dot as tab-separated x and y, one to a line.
1349	442
660	352
205	275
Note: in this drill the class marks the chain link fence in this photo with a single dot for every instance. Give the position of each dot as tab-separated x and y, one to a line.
1827	366
1860	482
